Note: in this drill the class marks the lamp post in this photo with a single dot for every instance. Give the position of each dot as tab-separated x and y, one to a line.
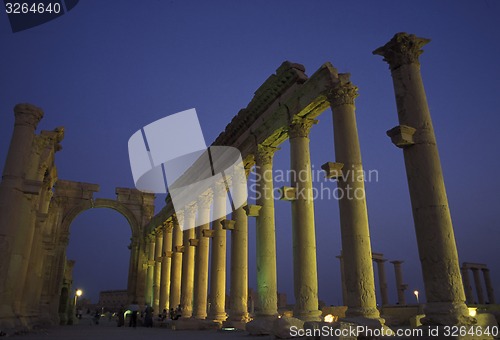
416	295
78	293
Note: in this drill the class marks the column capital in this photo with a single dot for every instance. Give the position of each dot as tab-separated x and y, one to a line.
344	92
168	226
264	154
159	232
27	114
190	210
205	200
402	49
300	127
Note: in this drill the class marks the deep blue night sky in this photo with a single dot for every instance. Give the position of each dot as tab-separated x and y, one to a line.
106	69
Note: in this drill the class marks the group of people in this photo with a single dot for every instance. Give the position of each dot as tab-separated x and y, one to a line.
134	308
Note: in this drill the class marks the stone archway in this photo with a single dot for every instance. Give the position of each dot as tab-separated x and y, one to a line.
71	199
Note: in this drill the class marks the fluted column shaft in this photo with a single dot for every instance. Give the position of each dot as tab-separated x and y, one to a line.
14	210
489	286
176	271
150	270
201	258
342	280
434	230
166	261
479	287
467	286
399	282
356	245
265	234
305	272
157	271
218	262
188	255
239	259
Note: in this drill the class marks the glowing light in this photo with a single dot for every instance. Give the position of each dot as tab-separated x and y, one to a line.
79	292
472	311
329	318
416	295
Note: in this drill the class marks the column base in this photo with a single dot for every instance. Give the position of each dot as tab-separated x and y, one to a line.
239	317
261	325
362	312
217	317
314	315
447	314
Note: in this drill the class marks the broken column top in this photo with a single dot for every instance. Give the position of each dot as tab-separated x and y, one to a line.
402	49
28	114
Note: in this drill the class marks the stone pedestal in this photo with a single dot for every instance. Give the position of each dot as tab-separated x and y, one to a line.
217	310
188	262
415	134
305	274
356	248
176	271
201	259
265	234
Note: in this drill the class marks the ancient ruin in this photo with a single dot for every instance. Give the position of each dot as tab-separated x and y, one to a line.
169	266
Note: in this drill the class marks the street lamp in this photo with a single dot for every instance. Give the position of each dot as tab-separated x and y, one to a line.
78	293
416	295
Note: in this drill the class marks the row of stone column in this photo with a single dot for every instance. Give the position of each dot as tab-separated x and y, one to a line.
476	268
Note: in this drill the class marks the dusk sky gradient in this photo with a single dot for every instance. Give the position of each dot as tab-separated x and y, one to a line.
107	68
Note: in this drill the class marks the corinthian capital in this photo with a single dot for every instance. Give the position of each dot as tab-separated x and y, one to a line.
344	92
402	49
264	154
27	114
301	127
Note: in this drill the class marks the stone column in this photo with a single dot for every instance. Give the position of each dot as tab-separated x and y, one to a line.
305	275
467	286
150	271
238	302
382	279
434	230
132	269
165	267
15	242
188	254
489	286
201	258
344	289
265	234
479	287
157	270
400	286
356	248
176	271
217	310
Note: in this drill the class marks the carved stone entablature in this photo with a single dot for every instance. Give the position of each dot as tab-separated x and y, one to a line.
333	170
264	154
205	200
301	127
402	136
402	49
344	92
252	210
227	224
27	114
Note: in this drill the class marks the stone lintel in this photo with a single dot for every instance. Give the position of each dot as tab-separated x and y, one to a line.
332	169
470	265
252	210
402	136
227	224
288	193
194	242
208	233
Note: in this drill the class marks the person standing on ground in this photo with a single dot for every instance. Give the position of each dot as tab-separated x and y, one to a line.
134	309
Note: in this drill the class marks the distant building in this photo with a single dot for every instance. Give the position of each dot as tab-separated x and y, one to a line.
112	300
